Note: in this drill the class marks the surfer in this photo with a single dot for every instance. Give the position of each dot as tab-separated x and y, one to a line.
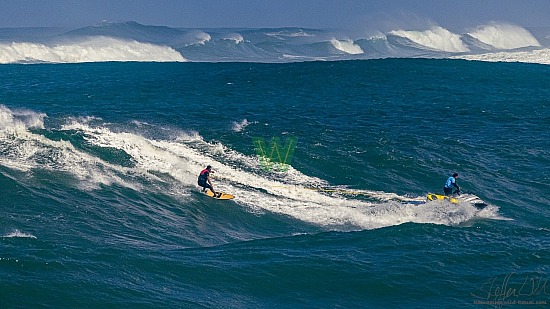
450	183
204	180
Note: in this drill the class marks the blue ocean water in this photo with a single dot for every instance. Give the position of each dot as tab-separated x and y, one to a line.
98	165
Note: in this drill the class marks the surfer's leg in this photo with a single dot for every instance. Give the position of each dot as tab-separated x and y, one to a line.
209	187
203	185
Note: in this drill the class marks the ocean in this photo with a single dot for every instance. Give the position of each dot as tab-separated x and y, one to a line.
99	163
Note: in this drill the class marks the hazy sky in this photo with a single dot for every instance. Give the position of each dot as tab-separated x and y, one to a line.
342	14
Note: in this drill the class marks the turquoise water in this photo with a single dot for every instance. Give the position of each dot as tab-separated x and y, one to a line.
98	164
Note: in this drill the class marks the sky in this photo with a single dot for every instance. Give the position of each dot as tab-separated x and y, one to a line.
337	14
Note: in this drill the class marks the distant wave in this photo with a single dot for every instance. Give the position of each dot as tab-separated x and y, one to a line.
290	33
91	49
236	37
505	36
347	46
197	38
436	38
377	37
131	41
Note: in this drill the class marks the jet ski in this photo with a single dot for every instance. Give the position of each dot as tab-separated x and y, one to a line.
458	198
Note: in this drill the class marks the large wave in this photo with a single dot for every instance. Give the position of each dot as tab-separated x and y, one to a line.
131	41
91	49
235	37
197	38
504	36
147	164
347	46
435	38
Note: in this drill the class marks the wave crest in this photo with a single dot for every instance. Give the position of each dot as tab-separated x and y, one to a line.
197	38
236	37
505	36
20	119
91	49
435	38
347	46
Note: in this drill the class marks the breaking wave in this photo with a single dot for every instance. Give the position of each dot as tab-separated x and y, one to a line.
505	36
436	38
347	46
160	165
236	37
20	119
131	41
197	38
92	49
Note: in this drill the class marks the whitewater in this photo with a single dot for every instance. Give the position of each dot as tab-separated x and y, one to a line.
131	41
292	193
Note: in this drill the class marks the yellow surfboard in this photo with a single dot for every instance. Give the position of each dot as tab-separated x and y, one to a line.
437	197
220	195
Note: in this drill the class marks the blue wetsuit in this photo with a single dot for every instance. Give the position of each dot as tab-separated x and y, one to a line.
449	184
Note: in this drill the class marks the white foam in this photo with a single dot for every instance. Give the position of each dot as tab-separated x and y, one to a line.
290	34
19	234
436	38
240	126
541	56
235	37
197	37
294	194
148	154
378	37
347	46
24	150
290	194
504	36
14	145
20	119
91	49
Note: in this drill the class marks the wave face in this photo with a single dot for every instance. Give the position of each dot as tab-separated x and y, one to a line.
97	156
131	41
